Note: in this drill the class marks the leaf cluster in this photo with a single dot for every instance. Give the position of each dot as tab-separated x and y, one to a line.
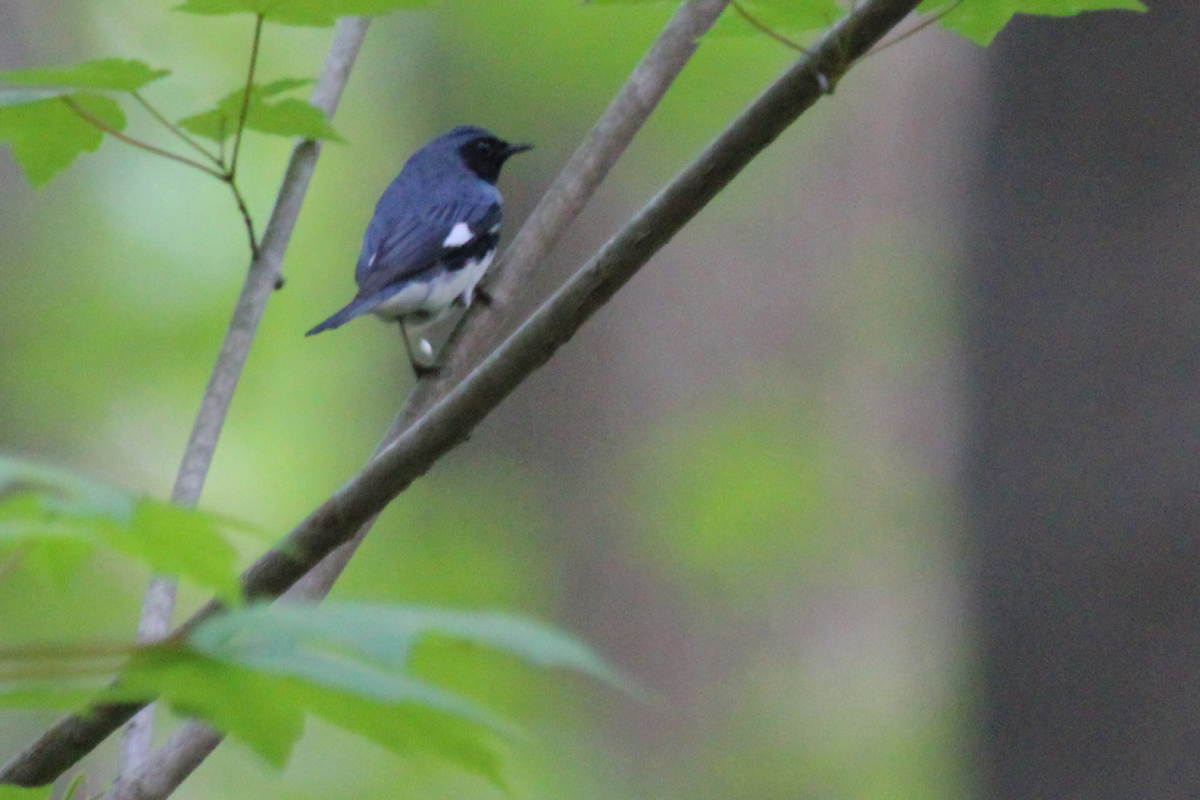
255	672
52	519
47	132
287	117
50	128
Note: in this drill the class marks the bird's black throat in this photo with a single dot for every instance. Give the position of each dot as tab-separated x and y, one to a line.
485	155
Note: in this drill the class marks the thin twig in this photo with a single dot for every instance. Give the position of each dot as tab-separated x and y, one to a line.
764	28
925	23
246	218
237	140
176	130
96	122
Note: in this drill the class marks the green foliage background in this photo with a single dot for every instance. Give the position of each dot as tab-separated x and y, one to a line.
765	551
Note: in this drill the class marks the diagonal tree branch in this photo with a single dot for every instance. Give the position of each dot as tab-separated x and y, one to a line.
452	419
560	205
76	735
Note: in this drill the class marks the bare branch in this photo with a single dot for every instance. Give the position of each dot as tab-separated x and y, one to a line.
187	748
75	736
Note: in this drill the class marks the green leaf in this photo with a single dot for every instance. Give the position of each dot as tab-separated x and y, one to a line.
47	135
57	676
117	74
58	695
347	662
44	510
784	17
288	117
76	783
255	673
265	709
50	551
257	708
182	541
303	12
17	793
291	117
387	634
981	20
68	492
412	728
12	97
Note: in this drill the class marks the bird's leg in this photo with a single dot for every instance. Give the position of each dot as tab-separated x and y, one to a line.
484	296
419	369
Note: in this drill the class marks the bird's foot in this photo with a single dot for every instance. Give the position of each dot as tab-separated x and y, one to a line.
484	296
426	370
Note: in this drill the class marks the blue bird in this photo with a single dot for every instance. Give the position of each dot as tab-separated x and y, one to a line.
434	234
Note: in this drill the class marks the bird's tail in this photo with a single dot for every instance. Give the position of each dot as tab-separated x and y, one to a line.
356	306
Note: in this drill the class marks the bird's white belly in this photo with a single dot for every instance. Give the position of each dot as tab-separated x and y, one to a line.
424	301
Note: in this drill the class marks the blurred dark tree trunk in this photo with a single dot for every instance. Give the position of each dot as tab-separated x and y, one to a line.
1085	367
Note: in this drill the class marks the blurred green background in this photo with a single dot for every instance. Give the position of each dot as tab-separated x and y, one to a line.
736	482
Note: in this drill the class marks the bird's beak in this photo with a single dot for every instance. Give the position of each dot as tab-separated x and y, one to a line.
513	149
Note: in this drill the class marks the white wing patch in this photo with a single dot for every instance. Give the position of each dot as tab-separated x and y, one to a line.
459	235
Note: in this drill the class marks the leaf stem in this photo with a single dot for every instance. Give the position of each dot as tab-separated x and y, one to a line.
237	141
764	28
175	129
925	23
100	124
244	209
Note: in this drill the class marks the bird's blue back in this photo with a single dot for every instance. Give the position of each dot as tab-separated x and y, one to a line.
417	211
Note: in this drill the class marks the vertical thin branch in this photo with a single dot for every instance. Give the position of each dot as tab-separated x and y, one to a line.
237	139
246	218
75	736
159	601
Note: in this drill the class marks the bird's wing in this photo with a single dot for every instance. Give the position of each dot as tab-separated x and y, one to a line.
404	246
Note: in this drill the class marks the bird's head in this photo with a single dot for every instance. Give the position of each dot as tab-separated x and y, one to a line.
482	152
